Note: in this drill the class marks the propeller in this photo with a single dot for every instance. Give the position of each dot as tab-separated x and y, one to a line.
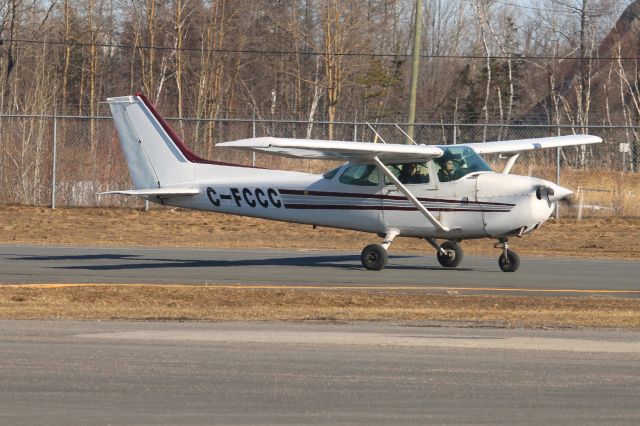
569	201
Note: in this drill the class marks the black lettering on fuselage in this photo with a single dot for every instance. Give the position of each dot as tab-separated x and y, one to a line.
213	197
272	193
236	196
259	194
248	197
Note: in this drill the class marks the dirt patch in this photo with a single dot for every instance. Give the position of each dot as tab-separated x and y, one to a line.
170	227
212	303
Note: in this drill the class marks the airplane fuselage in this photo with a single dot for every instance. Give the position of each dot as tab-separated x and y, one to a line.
479	205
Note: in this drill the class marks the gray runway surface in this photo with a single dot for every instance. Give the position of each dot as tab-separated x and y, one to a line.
65	373
50	264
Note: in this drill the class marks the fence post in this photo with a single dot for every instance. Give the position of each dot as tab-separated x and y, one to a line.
53	160
253	134
355	127
557	212
455	136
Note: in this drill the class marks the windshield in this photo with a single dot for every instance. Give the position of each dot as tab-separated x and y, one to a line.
457	162
331	173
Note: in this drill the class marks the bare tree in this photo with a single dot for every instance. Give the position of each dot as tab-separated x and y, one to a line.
67	54
209	92
149	20
334	28
481	9
182	13
10	20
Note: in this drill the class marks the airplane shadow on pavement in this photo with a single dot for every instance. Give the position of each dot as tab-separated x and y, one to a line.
133	262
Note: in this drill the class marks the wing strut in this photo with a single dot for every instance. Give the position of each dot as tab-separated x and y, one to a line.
510	162
422	209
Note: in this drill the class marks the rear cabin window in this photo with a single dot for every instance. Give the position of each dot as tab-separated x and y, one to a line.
361	175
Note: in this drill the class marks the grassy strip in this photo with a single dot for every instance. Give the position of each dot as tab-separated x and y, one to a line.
596	238
211	303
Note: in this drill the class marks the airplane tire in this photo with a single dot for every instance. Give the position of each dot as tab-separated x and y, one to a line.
374	257
454	254
510	262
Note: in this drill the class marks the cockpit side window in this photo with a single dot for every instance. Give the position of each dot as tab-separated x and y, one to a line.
409	173
361	174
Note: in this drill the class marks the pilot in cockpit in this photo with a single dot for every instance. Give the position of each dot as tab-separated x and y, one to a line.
447	172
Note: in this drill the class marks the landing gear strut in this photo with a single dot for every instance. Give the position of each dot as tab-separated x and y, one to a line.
509	261
449	253
374	256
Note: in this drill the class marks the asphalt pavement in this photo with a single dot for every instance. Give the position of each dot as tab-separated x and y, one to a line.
70	264
168	373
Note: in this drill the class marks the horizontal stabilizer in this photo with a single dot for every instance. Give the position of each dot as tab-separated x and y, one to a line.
159	192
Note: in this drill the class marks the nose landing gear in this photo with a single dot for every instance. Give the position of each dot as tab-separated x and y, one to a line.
509	261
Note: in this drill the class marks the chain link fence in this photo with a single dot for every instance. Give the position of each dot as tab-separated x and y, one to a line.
64	161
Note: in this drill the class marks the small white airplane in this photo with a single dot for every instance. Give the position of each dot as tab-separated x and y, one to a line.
433	192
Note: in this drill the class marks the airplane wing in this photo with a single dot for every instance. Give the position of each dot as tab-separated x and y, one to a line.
521	145
338	150
390	153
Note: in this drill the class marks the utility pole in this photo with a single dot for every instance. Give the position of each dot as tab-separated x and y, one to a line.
414	71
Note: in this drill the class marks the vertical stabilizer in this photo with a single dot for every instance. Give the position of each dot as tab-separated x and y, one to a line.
148	144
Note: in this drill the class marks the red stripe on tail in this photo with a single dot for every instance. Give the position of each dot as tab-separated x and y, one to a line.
178	141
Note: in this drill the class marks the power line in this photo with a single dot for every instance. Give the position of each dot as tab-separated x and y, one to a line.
313	53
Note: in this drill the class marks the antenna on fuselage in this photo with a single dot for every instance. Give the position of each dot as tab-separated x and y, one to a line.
375	140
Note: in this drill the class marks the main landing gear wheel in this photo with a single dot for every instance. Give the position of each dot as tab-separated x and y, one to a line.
509	261
450	255
374	257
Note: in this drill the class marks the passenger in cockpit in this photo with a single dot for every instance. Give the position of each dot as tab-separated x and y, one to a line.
410	174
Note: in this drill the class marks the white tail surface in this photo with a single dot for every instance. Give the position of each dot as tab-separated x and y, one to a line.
150	147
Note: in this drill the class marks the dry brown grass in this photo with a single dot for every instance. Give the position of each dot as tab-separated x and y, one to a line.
223	303
612	237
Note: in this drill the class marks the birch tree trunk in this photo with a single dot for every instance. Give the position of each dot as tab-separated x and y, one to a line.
333	45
